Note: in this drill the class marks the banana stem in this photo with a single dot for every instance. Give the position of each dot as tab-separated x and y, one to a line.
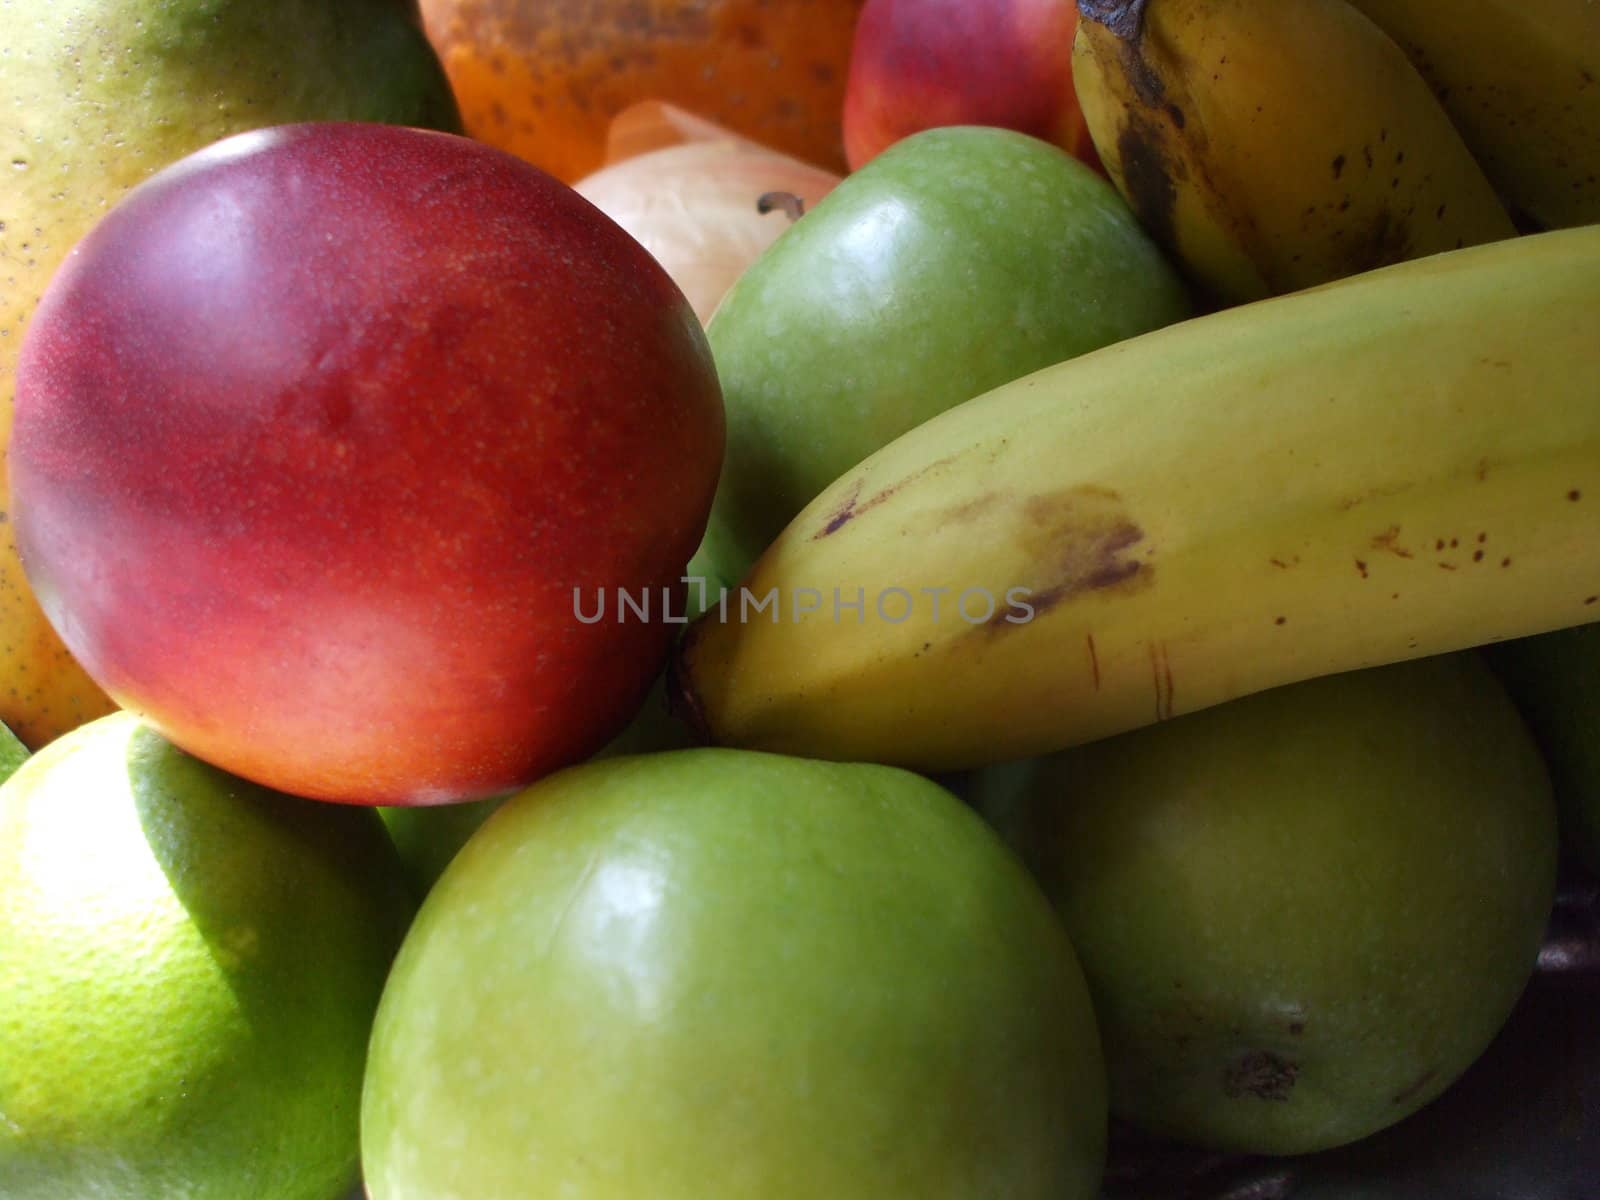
1124	18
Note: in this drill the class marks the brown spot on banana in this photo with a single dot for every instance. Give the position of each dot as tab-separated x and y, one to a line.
1146	82
1147	178
1161	676
1389	540
1077	541
845	512
853	505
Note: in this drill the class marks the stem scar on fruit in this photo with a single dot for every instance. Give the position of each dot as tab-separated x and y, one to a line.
791	205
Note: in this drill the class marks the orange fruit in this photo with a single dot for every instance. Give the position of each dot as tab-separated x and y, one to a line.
543	78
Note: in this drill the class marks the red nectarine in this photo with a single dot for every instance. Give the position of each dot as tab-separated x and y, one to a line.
317	432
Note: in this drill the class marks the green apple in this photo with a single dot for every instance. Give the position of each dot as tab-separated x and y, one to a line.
712	974
1304	913
1554	679
959	259
429	837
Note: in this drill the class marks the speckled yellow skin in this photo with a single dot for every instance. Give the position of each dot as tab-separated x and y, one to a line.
1272	146
1391	466
97	94
1521	80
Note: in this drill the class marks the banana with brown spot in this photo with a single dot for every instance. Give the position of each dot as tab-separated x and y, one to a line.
1400	464
1273	145
1521	80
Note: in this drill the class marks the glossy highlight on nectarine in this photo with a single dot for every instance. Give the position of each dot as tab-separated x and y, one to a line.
318	431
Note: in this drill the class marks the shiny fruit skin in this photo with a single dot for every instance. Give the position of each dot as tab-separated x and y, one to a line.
709	975
316	436
958	260
94	96
543	78
1328	481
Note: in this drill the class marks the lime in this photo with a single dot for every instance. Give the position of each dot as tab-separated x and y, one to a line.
428	837
191	965
12	753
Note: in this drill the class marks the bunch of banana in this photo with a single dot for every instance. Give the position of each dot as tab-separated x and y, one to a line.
1521	80
1273	145
1396	465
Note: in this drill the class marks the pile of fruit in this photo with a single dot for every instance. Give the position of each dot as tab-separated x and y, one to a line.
765	599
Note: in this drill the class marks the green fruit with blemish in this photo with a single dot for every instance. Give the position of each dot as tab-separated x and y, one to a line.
1303	914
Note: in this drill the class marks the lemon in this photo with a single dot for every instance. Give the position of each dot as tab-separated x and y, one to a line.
189	967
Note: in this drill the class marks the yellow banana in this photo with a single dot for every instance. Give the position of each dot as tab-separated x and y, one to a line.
1521	80
1273	145
1397	465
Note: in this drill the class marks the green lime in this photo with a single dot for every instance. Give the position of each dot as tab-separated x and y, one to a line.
190	970
12	753
429	836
